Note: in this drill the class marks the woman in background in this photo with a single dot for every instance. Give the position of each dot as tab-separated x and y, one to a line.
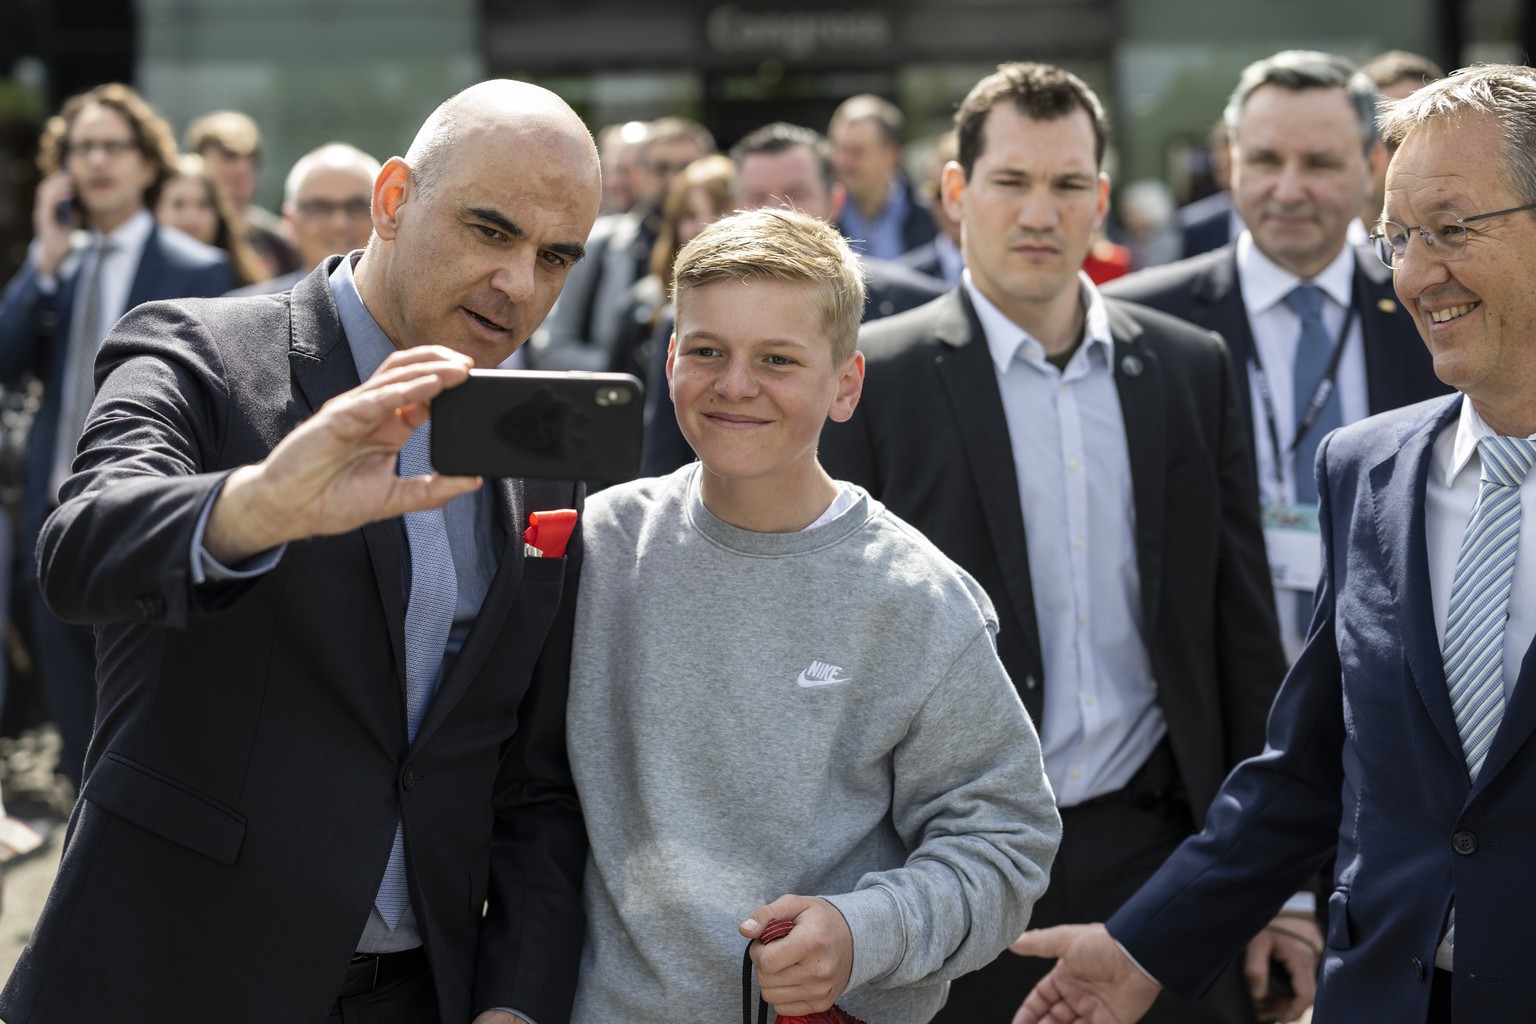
190	201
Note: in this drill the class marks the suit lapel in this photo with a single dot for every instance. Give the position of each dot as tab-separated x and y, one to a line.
1219	302
323	368
1398	486
1519	722
969	379
492	618
1138	379
147	278
1379	334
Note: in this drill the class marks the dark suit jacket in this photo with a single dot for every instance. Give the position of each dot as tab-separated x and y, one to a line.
1204	224
34	335
1365	753
929	438
250	759
1205	290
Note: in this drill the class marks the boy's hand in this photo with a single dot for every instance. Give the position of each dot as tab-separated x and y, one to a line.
807	970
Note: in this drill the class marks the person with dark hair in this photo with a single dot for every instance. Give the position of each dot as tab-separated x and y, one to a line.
882	217
96	253
329	779
230	144
1085	460
1402	738
1315	333
193	201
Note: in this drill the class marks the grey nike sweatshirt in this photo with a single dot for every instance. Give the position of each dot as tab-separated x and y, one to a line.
820	713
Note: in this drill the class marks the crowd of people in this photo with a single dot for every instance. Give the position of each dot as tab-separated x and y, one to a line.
1183	620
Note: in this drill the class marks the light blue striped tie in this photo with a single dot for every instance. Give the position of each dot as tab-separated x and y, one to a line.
429	608
1474	627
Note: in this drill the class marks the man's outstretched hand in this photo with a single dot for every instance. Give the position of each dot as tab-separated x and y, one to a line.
336	470
1092	982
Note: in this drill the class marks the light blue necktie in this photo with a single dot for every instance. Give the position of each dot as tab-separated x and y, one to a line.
1474	626
1314	349
434	592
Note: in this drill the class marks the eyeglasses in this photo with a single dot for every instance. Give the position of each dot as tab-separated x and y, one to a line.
318	209
1446	239
112	148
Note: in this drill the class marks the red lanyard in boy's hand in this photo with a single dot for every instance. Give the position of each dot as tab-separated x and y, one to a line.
777	929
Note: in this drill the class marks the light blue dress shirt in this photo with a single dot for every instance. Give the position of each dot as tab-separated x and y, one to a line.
1101	721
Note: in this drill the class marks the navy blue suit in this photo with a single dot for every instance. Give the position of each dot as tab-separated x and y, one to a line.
173	265
1363	753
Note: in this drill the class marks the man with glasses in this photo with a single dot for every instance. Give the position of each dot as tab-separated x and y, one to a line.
95	254
1310	320
326	204
1403	736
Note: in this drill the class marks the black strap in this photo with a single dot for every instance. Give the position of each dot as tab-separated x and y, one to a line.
1314	409
746	991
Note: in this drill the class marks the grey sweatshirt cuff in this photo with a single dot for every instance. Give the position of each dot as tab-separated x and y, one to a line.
879	934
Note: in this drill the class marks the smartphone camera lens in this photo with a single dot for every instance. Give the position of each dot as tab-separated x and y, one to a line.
612	396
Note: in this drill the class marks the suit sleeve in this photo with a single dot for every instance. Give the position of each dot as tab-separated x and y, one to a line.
22	308
1250	660
1271	826
530	939
118	547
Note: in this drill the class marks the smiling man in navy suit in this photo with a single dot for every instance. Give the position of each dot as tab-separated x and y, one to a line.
1405	735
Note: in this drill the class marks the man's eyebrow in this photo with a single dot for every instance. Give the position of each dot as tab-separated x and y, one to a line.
498	219
571	250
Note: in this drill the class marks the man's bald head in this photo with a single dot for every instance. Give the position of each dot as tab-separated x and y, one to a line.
500	104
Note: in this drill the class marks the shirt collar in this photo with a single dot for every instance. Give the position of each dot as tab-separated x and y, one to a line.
369	344
1006	339
130	235
1470	429
1266	283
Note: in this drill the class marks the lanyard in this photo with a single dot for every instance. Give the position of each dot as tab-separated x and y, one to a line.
1314	409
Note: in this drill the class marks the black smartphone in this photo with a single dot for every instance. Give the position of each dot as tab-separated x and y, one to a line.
538	424
64	209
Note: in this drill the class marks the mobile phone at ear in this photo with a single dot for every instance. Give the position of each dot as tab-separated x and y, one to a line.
540	425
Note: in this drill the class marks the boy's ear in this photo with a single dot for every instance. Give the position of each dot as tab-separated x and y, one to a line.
671	358
850	385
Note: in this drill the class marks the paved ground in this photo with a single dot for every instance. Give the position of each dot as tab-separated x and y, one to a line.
34	793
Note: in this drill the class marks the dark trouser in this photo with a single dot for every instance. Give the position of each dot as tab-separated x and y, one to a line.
1440	998
411	999
1109	846
65	654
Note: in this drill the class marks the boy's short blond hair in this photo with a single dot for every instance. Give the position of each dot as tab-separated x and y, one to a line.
781	245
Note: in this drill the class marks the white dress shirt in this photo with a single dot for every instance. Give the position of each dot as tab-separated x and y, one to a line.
1450	497
1276	329
1101	720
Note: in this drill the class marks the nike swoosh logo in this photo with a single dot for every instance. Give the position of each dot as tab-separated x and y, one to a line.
807	683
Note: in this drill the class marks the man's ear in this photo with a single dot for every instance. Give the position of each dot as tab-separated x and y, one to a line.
1101	204
391	189
850	386
952	191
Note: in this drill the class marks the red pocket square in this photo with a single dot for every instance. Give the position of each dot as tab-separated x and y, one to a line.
549	532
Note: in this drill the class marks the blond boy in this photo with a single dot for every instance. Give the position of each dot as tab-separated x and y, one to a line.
779	688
